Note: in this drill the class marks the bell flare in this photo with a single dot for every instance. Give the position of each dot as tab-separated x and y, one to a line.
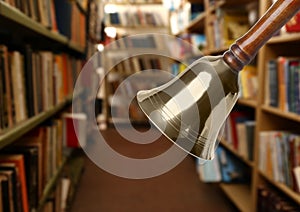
181	128
191	109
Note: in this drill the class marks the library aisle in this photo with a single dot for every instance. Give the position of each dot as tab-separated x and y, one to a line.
177	190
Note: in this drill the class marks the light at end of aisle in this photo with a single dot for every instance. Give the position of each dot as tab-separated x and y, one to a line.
110	8
111	32
100	47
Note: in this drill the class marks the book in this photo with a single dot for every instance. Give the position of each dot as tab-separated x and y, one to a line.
293	25
16	187
271	200
272	85
210	171
29	81
19	91
74	130
9	175
19	161
63	10
232	170
5	193
8	85
30	154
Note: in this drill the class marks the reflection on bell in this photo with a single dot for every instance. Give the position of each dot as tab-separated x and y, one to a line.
191	108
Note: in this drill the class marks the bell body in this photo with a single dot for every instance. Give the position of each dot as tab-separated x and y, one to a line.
191	108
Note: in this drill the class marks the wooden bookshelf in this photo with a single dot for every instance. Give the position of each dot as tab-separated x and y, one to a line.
20	30
247	102
245	196
291	37
135	3
197	24
280	113
218	51
18	19
51	185
10	135
282	187
234	152
239	194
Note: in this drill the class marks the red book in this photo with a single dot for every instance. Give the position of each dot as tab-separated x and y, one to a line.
74	126
237	117
18	160
294	24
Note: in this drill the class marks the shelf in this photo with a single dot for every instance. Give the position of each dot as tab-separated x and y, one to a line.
136	3
31	28
10	135
216	6
17	16
215	51
233	151
235	3
278	112
239	194
247	102
289	37
285	189
76	47
51	185
197	24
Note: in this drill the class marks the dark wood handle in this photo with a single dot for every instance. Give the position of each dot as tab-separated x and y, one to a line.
245	48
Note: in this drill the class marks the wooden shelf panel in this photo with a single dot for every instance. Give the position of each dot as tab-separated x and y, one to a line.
239	194
285	189
51	185
233	151
138	27
280	113
197	24
10	135
291	37
216	6
76	47
248	102
136	3
215	51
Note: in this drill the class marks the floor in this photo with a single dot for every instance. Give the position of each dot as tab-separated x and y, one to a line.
177	190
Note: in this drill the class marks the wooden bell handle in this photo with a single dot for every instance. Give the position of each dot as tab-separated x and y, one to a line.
245	48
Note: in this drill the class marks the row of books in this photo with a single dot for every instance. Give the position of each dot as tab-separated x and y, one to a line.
239	133
136	64
223	168
279	157
27	166
122	91
95	26
248	82
271	200
226	27
71	22
135	42
282	87
32	82
134	18
134	1
60	16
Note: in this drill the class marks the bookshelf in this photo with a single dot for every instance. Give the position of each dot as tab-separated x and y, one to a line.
10	135
267	117
239	194
20	27
135	48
